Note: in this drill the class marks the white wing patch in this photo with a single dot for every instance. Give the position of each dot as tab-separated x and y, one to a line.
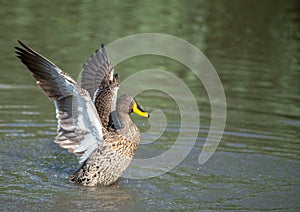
95	95
114	100
81	133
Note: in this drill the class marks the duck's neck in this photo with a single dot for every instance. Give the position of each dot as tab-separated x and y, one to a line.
125	119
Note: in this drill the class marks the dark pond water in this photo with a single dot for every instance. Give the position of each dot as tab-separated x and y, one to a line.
255	48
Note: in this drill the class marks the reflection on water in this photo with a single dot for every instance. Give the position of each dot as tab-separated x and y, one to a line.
255	50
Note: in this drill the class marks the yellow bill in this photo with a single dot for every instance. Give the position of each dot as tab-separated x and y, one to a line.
139	111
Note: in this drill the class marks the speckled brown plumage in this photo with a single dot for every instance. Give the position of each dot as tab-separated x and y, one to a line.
108	162
84	127
104	99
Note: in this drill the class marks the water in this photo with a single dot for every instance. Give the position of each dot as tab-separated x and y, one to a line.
254	47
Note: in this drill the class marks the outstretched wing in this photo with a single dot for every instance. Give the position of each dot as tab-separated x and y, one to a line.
95	70
79	126
99	80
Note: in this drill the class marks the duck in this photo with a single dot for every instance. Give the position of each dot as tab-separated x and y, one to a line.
93	123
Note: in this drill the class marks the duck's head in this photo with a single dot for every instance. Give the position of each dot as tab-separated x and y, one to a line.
127	104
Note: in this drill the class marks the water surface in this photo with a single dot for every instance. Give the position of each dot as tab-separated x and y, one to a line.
255	49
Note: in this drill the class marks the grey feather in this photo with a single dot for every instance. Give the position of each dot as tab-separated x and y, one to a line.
79	126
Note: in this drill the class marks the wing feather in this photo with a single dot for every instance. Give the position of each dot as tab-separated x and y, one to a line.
79	126
94	71
99	80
